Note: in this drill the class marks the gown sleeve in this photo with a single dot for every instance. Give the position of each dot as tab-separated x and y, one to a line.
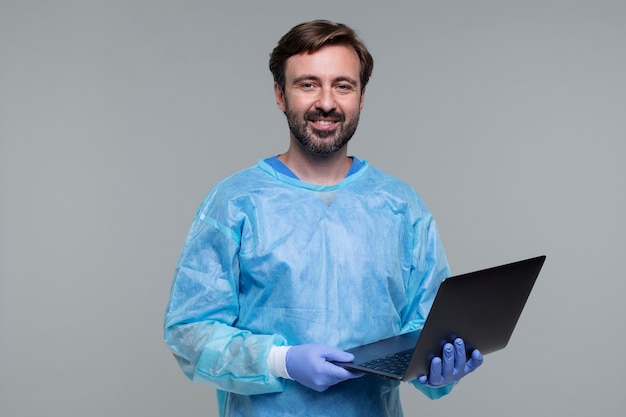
429	268
200	320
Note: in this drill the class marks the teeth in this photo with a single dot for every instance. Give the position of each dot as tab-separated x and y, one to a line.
325	122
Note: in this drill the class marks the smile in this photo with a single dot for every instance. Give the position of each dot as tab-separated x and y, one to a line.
324	124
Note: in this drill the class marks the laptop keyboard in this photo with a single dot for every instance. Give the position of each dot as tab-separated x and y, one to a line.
394	364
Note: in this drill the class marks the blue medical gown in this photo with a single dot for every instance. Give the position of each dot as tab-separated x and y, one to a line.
271	260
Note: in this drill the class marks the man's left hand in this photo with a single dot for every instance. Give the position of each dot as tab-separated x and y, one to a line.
453	366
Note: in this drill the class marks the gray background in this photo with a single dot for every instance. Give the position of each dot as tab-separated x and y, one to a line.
117	117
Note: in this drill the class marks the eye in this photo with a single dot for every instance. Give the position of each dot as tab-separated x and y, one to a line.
344	88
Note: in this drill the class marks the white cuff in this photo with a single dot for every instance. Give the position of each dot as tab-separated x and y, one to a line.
276	360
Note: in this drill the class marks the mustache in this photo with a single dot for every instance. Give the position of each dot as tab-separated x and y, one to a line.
331	115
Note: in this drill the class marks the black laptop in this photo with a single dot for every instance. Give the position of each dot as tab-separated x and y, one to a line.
481	307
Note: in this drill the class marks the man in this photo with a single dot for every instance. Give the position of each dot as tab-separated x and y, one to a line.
306	254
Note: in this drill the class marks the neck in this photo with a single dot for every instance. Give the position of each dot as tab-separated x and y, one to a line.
316	169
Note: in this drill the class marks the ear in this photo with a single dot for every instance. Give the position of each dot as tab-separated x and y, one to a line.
362	100
280	97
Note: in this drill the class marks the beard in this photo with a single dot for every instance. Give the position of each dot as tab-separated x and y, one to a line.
321	142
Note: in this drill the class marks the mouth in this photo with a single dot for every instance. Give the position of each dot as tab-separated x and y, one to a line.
324	124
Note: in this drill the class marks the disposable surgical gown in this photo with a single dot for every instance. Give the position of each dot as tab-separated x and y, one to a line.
271	260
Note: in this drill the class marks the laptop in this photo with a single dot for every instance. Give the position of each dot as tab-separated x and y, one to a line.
481	307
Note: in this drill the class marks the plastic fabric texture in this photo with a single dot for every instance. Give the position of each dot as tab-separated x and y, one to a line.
271	260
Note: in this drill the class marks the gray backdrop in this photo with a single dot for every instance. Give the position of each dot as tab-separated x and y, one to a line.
117	117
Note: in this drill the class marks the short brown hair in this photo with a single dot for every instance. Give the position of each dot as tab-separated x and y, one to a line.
312	36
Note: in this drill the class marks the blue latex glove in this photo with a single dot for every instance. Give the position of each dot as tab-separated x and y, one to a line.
453	366
308	364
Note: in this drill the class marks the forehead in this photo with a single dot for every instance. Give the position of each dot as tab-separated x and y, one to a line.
332	61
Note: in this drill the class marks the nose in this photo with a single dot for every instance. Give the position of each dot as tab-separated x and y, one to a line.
326	101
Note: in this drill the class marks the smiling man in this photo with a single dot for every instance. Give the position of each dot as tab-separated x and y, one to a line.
322	97
306	254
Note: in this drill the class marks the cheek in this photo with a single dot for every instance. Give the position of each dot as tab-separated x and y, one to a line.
355	110
299	107
351	106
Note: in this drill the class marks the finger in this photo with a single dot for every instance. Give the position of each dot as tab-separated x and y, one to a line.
448	361
338	355
435	377
475	361
337	374
355	374
460	357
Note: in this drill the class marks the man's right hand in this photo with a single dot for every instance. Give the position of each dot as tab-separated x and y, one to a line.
309	365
